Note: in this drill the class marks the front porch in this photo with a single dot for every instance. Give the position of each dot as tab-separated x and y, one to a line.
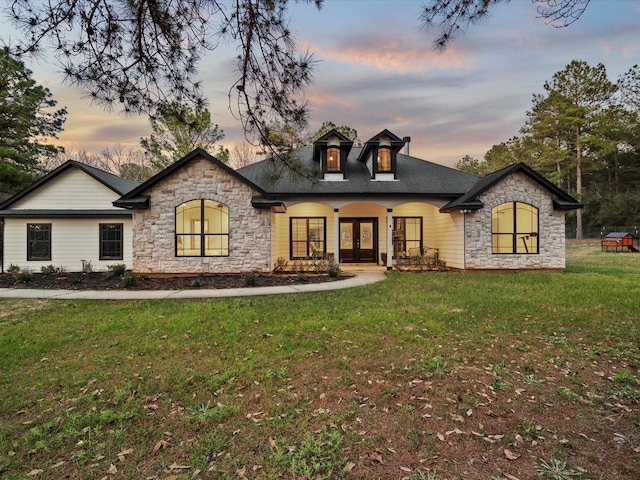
360	233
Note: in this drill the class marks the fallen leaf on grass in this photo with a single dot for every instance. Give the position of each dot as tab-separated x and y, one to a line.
510	455
440	436
35	472
112	469
175	466
405	469
161	444
58	465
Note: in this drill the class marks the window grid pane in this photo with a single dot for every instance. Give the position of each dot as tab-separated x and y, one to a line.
407	234
514	228
308	237
202	229
38	241
111	241
333	159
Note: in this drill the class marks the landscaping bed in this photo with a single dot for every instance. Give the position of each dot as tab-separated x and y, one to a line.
108	281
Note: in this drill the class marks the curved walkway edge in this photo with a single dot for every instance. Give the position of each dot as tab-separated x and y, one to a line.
364	277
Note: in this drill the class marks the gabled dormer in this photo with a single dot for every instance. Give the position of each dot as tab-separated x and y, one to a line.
331	151
380	154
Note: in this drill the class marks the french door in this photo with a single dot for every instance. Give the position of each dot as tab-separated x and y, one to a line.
359	240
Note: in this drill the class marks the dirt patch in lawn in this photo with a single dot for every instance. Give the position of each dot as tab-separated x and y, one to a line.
108	281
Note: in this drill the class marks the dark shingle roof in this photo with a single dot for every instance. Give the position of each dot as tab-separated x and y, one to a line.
115	183
469	200
136	197
415	177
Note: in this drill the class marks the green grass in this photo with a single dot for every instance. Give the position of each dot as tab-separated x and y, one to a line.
420	376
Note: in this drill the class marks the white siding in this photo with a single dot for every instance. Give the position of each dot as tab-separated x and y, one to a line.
72	189
447	231
72	240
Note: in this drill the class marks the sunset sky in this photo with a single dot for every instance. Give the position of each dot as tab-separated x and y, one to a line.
376	69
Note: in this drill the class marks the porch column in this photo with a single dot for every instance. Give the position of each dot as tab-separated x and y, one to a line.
389	238
336	235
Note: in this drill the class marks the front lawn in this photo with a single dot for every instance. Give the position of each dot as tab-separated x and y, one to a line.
422	376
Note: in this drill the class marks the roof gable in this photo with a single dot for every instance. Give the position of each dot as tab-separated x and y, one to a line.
117	184
136	198
470	199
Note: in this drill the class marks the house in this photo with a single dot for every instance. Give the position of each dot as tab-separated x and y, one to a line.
361	205
67	219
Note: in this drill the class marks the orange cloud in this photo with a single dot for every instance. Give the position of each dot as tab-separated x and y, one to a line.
390	54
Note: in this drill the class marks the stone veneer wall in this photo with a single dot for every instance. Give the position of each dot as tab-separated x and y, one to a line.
551	236
154	228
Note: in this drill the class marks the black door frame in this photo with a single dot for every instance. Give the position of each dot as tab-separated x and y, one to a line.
357	254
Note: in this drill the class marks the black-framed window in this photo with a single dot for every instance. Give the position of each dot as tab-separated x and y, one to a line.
308	237
407	235
514	228
202	229
111	241
39	241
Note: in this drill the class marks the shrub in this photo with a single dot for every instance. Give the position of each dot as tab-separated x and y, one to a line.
281	265
117	269
86	266
13	269
130	279
25	276
48	269
251	279
333	270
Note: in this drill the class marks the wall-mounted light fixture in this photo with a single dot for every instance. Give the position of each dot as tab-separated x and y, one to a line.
465	211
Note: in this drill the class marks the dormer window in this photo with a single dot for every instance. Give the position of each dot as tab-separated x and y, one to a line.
333	159
331	152
384	159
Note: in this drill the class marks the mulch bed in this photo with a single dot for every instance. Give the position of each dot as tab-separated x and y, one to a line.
107	281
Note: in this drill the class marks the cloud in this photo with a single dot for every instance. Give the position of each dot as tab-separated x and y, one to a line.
400	54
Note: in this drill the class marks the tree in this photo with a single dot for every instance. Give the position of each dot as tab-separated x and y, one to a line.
27	119
326	127
584	92
242	154
143	54
629	85
179	130
453	16
129	164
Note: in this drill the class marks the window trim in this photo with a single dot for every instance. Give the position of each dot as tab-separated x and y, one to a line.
30	256
404	240
102	241
308	241
203	227
516	235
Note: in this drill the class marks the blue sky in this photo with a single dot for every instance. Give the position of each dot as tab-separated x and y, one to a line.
376	69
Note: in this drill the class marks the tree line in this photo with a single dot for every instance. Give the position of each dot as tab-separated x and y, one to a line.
583	134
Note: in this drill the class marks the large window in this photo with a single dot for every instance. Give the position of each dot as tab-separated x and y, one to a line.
333	159
38	241
514	228
111	241
202	229
308	237
407	235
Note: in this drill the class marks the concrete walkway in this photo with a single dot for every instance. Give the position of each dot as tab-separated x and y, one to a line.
361	277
